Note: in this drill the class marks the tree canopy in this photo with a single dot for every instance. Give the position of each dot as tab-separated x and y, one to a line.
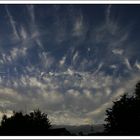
33	123
124	116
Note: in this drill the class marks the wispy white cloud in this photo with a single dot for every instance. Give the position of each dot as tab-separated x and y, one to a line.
78	26
113	66
23	33
108	13
75	56
46	59
62	61
137	64
31	12
118	51
99	67
49	95
35	34
126	61
18	52
12	23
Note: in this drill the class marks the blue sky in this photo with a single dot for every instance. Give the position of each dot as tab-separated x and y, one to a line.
70	61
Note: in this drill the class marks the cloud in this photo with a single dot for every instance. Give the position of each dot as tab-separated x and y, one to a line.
137	64
118	51
78	26
23	33
113	66
64	115
35	34
46	59
62	61
75	56
60	98
126	61
99	67
108	12
31	12
13	23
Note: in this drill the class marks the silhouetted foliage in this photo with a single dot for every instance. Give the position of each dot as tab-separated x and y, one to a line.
81	133
34	123
137	90
124	116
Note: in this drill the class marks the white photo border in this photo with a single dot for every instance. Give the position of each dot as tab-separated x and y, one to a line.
69	2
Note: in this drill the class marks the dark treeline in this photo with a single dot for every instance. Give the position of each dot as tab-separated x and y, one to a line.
35	123
123	118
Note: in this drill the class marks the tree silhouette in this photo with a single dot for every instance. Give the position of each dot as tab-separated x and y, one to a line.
124	116
34	123
137	90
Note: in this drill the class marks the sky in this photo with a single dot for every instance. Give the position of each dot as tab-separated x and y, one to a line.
70	61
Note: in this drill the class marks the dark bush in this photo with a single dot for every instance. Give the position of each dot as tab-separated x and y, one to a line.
34	123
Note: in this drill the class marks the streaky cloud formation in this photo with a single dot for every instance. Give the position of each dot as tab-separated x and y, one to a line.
70	61
12	23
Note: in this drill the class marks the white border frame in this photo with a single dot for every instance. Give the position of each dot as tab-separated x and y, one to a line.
69	2
70	137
